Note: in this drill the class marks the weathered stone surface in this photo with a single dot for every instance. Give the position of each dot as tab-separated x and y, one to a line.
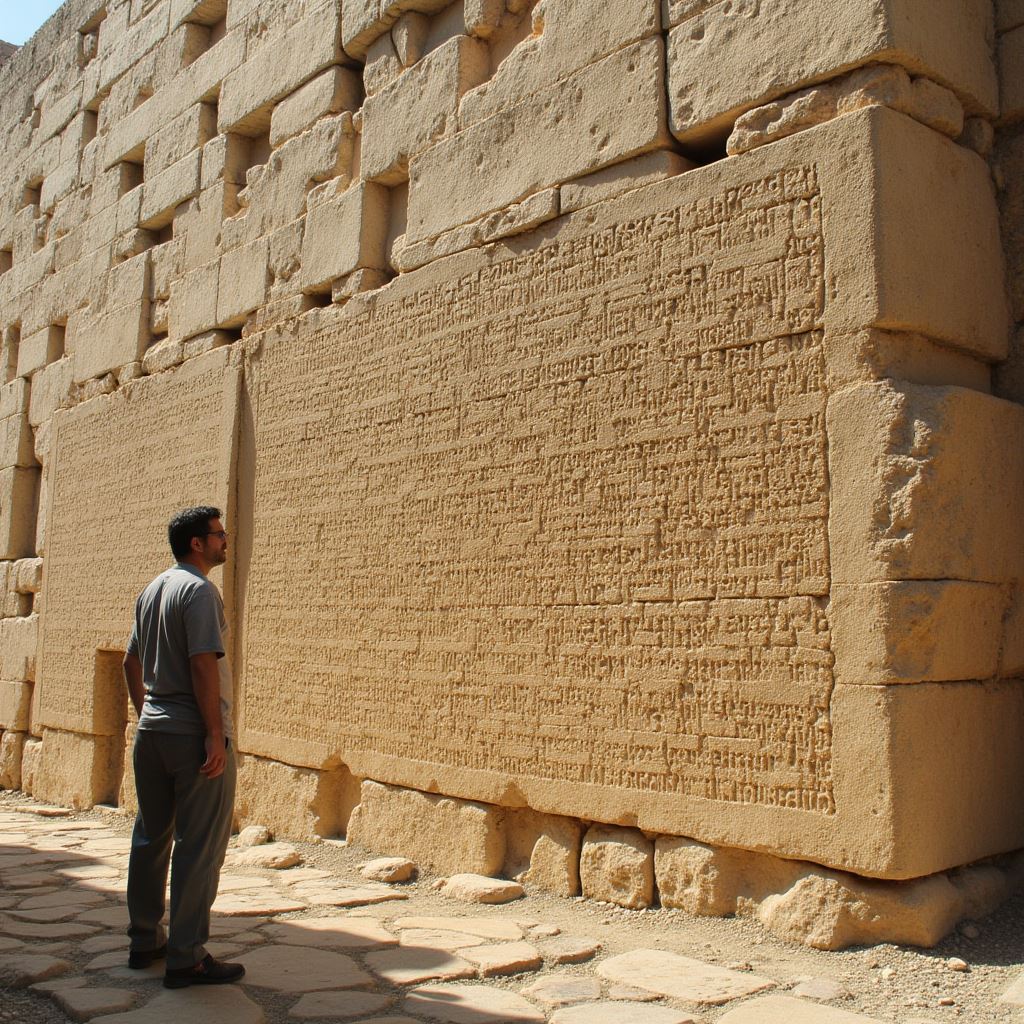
388	869
442	833
269	855
617	866
470	1004
784	1010
295	969
338	1005
569	949
561	991
200	1005
482	927
332	933
480	889
253	835
86	1003
1014	995
12	745
621	1013
21	969
824	989
681	977
409	965
544	850
503	958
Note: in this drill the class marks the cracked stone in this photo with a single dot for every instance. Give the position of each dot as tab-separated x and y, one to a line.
348	895
238	905
556	991
503	958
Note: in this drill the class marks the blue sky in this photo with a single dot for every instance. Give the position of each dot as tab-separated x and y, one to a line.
19	19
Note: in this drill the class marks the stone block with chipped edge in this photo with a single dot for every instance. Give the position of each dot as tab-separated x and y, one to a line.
566	38
242	282
382	66
15	701
162	356
110	339
294	54
27	575
193	303
446	834
420	107
617	866
364	20
332	91
185	134
345	233
916	631
77	770
555	135
294	802
731	58
912	466
543	850
409	34
12	745
168	189
16	442
39	349
30	751
14	397
622	178
18	494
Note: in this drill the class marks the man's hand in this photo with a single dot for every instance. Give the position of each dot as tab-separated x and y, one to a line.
216	757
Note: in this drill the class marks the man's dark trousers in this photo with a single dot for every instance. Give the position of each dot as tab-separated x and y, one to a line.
177	800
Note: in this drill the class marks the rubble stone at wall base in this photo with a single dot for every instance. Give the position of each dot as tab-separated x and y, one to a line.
12	744
77	770
617	866
543	850
293	802
445	834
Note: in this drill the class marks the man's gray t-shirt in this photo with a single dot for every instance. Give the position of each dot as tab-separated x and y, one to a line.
178	615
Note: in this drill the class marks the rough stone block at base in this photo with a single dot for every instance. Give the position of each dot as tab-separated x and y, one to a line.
345	233
913	466
446	834
733	57
31	753
293	802
543	850
617	866
916	631
79	771
560	133
18	638
12	745
15	701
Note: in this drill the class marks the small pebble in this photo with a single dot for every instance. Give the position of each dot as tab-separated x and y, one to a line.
946	1001
954	963
886	973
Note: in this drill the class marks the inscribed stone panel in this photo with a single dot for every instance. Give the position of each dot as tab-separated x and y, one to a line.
559	512
122	466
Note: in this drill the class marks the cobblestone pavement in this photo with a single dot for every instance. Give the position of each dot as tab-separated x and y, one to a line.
321	943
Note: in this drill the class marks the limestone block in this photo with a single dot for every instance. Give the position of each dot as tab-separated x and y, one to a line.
335	90
162	193
566	37
127	798
15	701
622	178
482	17
242	282
200	344
293	802
18	639
543	850
1011	657
128	47
38	349
110	340
343	288
14	397
360	25
58	183
79	771
382	66
162	356
12	745
30	756
187	132
912	466
50	388
446	834
345	233
732	57
282	63
694	877
555	135
57	112
420	107
18	491
16	442
828	911
27	575
410	32
916	631
617	866
1011	75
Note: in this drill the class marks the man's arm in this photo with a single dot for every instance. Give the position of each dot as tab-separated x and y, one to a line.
133	679
206	687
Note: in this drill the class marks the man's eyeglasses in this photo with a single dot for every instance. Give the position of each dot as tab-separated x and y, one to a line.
223	534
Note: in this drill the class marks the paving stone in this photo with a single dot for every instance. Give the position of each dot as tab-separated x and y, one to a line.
236	883
7	943
621	1013
338	1005
388	869
411	965
102	943
823	989
503	958
228	927
110	917
435	938
205	1004
61	898
86	1003
481	889
302	969
786	1010
299	876
570	949
46	915
348	895
471	1004
64	981
470	926
333	933
43	811
90	871
111	958
631	994
28	930
561	991
680	977
17	970
269	855
238	905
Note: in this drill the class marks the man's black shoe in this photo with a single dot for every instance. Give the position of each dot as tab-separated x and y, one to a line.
207	972
139	959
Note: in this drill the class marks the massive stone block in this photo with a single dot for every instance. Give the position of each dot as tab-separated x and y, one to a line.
190	462
596	462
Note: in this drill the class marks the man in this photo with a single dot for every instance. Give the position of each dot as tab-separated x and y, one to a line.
180	686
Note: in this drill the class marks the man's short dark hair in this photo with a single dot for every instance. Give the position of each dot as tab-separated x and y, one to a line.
189	523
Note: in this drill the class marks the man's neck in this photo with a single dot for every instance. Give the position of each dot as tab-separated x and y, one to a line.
199	564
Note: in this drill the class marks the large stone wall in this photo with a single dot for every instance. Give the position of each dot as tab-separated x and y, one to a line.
601	396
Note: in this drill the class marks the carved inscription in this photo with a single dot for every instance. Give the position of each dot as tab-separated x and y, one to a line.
562	515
